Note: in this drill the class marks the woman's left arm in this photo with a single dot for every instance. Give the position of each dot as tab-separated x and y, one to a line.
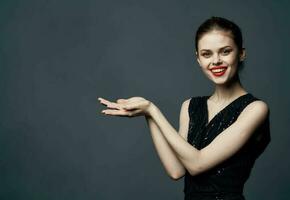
222	147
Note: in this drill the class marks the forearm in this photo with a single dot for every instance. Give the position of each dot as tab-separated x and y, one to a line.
172	165
186	153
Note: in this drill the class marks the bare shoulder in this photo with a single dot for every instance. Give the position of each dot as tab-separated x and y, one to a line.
184	118
186	102
256	111
184	108
258	106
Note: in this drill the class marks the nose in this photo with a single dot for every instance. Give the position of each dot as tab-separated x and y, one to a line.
216	60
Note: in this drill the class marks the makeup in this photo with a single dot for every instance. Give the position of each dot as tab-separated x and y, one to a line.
218	70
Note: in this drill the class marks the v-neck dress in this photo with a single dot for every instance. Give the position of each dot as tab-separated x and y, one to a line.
226	180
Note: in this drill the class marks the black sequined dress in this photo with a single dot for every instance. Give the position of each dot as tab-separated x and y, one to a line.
226	180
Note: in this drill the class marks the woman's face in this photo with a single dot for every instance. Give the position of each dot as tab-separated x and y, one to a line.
218	56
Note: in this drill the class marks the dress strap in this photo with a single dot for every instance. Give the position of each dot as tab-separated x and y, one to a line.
194	103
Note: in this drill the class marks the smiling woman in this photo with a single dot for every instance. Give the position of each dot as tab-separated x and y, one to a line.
220	135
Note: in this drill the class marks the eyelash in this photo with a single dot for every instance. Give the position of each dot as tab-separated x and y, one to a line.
227	51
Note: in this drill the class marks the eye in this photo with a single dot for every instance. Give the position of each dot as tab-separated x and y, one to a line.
226	51
206	54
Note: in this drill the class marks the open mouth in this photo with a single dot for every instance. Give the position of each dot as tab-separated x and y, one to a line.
219	70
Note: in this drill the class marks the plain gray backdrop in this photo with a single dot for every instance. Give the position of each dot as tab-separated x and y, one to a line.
58	56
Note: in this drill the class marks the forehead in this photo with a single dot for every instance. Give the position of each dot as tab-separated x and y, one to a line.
215	39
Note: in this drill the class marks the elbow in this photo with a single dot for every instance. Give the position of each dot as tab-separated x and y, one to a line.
198	166
192	172
177	176
196	170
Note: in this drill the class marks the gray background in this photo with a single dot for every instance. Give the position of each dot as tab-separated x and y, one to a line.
58	56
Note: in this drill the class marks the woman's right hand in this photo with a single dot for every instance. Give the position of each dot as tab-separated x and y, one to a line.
131	107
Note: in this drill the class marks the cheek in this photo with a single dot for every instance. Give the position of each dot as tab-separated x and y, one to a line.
204	63
232	60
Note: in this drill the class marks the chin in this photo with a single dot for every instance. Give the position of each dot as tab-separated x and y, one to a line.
220	82
227	78
223	80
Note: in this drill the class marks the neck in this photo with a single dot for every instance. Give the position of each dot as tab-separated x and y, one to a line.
228	91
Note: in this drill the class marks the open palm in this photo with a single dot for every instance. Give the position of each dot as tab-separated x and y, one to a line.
131	107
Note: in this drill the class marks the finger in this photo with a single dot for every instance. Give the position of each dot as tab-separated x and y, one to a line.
109	104
132	106
116	112
103	101
135	113
123	113
100	98
121	101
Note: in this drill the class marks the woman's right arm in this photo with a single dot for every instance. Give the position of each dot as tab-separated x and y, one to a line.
171	163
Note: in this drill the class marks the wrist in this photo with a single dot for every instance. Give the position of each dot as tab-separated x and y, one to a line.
152	109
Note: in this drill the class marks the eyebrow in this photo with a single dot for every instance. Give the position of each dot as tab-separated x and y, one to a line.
219	48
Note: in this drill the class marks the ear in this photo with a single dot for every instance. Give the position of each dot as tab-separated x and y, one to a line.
243	54
197	57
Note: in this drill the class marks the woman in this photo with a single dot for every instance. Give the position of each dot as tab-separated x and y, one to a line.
220	136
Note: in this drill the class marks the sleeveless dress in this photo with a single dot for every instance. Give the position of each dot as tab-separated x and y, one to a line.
226	180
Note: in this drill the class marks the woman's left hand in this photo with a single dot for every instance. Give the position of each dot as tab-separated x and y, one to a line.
131	107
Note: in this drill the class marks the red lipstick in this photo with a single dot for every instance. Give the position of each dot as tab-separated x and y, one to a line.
218	70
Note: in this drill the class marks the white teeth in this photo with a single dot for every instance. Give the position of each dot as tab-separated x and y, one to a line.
218	70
